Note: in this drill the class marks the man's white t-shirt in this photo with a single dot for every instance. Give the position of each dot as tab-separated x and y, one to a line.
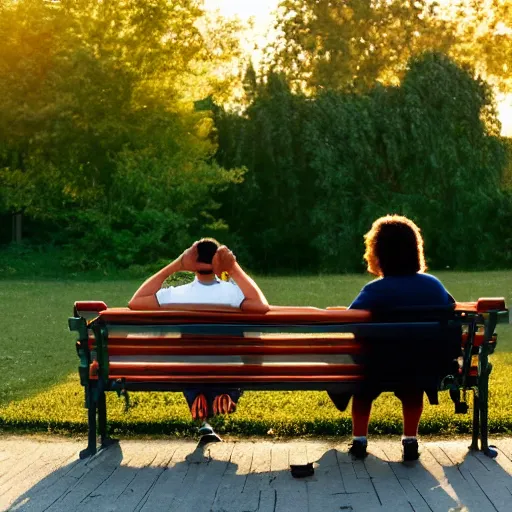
221	293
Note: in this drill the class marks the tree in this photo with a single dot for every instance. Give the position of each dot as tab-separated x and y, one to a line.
321	169
98	122
428	149
270	210
484	39
326	45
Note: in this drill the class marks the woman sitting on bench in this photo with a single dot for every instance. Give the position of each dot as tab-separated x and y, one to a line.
394	252
207	259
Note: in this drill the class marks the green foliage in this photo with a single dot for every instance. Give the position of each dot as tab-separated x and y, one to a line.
353	44
112	147
483	39
287	413
427	150
98	131
269	210
326	167
179	278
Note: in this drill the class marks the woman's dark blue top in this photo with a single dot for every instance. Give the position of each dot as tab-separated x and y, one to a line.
402	291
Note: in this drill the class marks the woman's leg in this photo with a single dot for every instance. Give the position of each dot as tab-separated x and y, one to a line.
412	407
361	409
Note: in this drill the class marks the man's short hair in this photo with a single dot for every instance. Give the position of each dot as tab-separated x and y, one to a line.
394	247
206	249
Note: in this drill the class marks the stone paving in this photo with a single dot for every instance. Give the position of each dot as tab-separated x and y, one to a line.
44	474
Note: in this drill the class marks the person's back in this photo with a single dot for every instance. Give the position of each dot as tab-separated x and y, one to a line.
394	252
402	291
207	259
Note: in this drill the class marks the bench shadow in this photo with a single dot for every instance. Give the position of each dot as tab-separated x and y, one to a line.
458	481
480	482
108	481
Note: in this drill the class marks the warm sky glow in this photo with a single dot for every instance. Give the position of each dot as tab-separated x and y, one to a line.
257	12
261	13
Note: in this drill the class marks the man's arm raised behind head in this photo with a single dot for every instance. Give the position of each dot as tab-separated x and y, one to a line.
255	301
145	296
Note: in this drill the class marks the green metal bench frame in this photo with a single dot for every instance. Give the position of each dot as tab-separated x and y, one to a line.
462	382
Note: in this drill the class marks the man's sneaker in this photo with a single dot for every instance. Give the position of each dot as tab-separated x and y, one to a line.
199	408
410	447
222	404
358	449
205	429
209	438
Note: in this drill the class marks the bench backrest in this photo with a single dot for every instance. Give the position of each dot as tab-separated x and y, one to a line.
304	348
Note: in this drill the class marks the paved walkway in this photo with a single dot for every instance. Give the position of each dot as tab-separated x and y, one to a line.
243	476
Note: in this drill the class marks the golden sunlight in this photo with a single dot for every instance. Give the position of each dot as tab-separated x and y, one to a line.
260	14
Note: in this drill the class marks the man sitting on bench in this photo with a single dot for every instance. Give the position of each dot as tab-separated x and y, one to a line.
207	259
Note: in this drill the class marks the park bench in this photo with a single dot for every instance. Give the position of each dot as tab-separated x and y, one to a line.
287	348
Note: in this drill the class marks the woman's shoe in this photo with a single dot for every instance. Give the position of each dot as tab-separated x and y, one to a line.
410	447
358	449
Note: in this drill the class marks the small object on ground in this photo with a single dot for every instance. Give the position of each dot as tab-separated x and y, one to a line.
302	470
358	449
410	450
209	438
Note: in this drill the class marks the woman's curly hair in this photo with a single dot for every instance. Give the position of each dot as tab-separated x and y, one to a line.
394	247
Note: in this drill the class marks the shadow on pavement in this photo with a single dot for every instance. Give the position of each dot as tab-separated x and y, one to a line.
200	480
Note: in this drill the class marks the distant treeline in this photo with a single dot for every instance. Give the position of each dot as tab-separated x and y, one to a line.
321	169
105	157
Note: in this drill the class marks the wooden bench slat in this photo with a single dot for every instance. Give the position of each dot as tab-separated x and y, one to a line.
175	370
298	316
375	330
263	338
120	350
204	359
478	339
212	314
201	378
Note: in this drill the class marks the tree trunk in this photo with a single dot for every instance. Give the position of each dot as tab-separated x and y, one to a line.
17	219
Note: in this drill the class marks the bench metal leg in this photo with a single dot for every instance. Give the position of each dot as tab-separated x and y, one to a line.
102	416
476	421
484	371
490	451
102	422
91	416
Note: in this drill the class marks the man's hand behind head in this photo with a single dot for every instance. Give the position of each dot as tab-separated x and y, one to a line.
189	258
223	261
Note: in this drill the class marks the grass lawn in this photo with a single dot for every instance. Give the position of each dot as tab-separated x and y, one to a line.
39	383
